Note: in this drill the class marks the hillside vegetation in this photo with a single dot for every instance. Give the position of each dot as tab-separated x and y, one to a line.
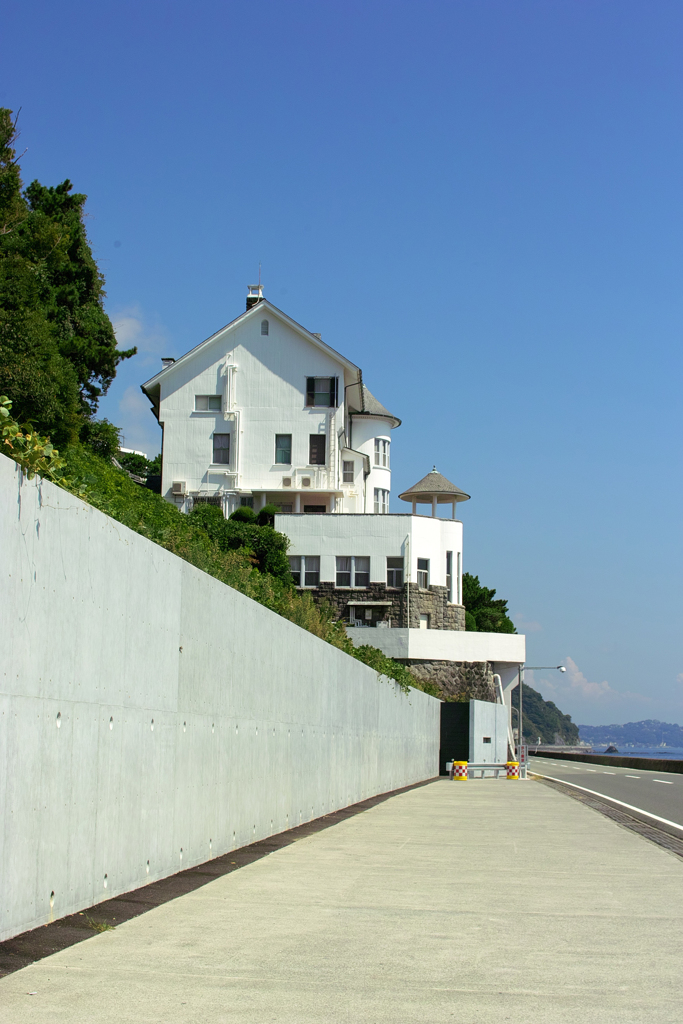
543	720
248	557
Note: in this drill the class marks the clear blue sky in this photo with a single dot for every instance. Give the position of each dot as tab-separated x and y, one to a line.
478	201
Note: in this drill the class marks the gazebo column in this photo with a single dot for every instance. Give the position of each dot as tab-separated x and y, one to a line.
453	516
414	507
434	506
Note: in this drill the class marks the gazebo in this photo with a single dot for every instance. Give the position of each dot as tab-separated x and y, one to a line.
434	489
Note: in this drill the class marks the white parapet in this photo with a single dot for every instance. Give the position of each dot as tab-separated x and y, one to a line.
443	644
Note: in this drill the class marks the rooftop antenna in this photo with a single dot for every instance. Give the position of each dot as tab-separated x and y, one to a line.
259	274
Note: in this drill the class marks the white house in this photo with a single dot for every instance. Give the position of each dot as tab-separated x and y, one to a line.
264	412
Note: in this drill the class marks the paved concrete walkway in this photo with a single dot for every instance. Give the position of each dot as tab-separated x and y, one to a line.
475	903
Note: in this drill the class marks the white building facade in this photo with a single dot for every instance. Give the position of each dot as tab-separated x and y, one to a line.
265	413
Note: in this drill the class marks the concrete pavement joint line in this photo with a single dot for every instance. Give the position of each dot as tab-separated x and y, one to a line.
604	796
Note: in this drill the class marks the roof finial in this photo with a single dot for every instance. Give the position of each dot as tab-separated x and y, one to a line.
434	469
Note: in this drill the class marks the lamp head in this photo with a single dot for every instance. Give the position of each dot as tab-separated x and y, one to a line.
562	668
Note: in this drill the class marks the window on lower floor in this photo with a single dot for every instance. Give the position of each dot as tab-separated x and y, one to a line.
425	621
381	501
394	572
353	571
423	573
347	474
458	580
316	450
315	510
305	570
449	575
221	449
247	502
283	449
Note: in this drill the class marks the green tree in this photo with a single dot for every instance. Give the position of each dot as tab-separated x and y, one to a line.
543	719
483	614
58	352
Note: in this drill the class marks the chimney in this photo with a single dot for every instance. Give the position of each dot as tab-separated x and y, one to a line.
166	361
254	294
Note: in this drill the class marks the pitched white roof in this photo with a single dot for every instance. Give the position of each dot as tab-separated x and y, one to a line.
256	311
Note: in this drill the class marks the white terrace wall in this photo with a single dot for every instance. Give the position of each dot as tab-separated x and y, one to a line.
151	717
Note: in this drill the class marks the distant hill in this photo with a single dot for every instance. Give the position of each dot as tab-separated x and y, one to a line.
649	733
543	720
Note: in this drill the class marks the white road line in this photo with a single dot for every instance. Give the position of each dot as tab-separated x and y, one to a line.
664	782
631	776
609	773
591	769
630	807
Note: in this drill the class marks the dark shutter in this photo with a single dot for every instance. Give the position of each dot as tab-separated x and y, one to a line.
310	391
317	450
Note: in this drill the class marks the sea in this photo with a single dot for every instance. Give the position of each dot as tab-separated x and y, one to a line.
662	753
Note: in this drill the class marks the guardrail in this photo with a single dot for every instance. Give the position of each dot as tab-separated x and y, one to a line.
468	769
646	764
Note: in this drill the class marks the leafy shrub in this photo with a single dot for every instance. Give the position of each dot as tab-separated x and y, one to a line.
134	463
102	437
243	515
482	612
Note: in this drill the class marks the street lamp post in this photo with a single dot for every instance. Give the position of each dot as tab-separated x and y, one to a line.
520	678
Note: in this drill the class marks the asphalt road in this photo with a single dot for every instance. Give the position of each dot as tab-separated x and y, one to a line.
649	795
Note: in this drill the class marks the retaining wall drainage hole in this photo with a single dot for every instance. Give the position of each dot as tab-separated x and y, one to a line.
52	899
184	726
147	866
181	853
111	723
212	727
105	881
59	719
152	725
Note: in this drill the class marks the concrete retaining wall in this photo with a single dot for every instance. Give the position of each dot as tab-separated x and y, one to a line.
151	717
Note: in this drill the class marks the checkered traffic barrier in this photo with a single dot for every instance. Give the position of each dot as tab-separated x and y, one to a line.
460	770
512	769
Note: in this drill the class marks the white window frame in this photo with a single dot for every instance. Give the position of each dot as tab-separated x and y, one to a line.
352	572
449	576
381	499
382	452
346	470
219	433
303	570
395	568
423	574
208	399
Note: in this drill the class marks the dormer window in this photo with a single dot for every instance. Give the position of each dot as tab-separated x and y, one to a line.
264	327
322	391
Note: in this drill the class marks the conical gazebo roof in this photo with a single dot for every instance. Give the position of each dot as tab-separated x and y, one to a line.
434	489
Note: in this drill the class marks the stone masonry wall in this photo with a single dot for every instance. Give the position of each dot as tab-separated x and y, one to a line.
433	602
465	680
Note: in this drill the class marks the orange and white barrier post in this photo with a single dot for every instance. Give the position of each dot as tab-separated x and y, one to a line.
512	769
460	771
